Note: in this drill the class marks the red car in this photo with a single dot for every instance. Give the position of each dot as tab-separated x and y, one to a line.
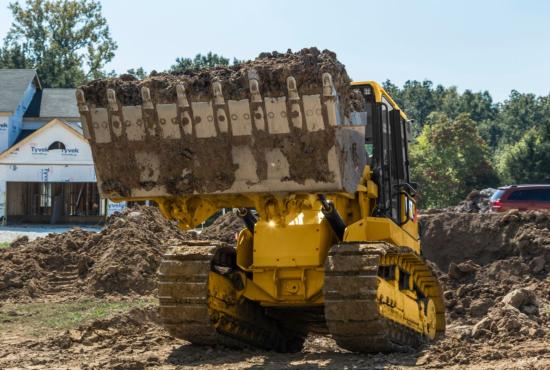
522	197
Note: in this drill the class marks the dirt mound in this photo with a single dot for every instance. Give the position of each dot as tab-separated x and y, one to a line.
495	269
477	201
225	228
483	238
271	69
127	252
122	258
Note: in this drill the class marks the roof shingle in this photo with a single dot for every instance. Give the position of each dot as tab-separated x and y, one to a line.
13	83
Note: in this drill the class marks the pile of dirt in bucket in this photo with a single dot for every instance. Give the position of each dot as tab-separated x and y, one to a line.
495	270
270	69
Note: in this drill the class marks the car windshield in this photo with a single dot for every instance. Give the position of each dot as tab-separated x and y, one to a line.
497	194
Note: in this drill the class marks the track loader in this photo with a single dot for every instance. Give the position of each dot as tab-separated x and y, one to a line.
318	169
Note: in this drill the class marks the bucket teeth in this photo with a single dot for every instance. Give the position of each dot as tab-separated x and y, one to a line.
81	101
84	113
328	86
181	96
329	93
146	98
257	108
255	95
219	106
183	104
295	113
111	100
203	119
115	118
292	90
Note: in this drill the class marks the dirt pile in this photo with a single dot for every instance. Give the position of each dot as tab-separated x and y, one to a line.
122	258
225	228
271	69
477	201
495	269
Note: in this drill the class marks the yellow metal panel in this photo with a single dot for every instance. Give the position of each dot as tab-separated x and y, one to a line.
291	245
286	286
380	229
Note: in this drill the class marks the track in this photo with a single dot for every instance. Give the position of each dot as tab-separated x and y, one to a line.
352	307
191	311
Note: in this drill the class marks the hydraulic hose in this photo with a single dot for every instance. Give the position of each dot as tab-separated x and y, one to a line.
333	217
248	218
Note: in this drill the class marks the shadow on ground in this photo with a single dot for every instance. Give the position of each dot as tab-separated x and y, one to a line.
195	356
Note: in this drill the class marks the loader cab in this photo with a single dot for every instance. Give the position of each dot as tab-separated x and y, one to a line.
387	135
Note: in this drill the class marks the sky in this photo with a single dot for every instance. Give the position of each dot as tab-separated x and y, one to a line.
479	45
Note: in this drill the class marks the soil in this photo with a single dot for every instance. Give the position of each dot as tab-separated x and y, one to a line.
225	228
270	69
495	270
122	258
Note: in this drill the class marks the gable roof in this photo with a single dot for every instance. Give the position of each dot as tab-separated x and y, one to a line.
36	133
14	82
53	103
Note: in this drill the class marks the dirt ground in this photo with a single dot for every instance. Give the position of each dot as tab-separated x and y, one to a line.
86	300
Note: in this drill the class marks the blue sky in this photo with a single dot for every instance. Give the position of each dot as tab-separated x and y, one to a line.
481	45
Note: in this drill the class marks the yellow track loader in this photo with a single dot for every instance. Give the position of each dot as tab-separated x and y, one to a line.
318	169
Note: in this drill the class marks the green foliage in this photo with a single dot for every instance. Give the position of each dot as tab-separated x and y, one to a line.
528	160
520	113
67	41
450	159
417	97
138	72
201	61
420	99
14	57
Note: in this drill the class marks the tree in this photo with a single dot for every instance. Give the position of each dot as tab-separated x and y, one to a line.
201	61
519	114
420	99
13	57
138	72
450	159
528	160
67	41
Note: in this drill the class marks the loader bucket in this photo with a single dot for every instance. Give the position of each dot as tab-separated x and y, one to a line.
181	142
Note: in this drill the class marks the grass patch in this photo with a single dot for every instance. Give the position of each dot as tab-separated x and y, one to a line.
4	245
38	319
